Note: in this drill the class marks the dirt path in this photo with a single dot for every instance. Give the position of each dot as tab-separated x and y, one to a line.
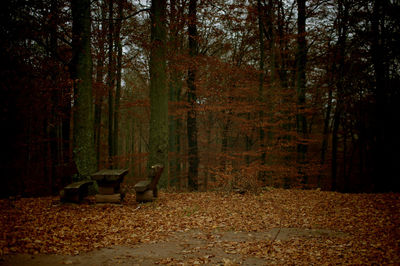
185	248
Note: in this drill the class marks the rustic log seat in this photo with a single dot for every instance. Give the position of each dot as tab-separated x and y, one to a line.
109	183
75	192
146	190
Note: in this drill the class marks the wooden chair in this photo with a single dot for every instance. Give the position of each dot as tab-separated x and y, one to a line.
146	190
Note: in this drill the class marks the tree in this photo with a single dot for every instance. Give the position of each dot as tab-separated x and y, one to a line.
118	46
99	87
192	99
81	73
158	135
111	82
261	81
343	12
176	73
301	60
383	30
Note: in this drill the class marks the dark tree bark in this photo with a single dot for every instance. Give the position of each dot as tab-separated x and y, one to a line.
99	97
261	83
382	153
283	46
111	82
118	47
339	80
175	89
192	116
81	73
301	60
54	128
158	136
326	130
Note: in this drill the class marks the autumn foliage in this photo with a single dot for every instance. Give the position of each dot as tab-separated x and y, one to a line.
277	102
270	108
342	228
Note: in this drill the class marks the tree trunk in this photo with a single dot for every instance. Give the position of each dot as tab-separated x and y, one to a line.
261	175
175	88
191	115
327	120
81	73
100	86
224	140
110	83
339	80
283	44
118	46
382	160
53	128
325	139
158	136
336	124
301	60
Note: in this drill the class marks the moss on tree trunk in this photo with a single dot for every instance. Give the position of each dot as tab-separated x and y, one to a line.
81	73
158	137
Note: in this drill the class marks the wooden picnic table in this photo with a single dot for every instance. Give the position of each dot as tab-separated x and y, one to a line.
109	175
109	183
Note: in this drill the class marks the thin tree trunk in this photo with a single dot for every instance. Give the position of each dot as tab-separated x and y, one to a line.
327	119
53	128
99	98
175	88
326	127
301	60
98	113
282	46
110	83
118	47
191	115
335	138
132	147
172	94
249	143
339	78
224	142
261	175
325	133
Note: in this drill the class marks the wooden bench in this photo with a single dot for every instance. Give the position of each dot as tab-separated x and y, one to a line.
146	190
109	182
76	191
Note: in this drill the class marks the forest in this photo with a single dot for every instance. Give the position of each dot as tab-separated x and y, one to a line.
269	127
225	94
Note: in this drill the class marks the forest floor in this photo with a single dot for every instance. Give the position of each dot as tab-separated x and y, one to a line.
274	227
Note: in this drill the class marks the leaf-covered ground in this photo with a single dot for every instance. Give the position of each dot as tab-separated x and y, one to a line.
345	228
